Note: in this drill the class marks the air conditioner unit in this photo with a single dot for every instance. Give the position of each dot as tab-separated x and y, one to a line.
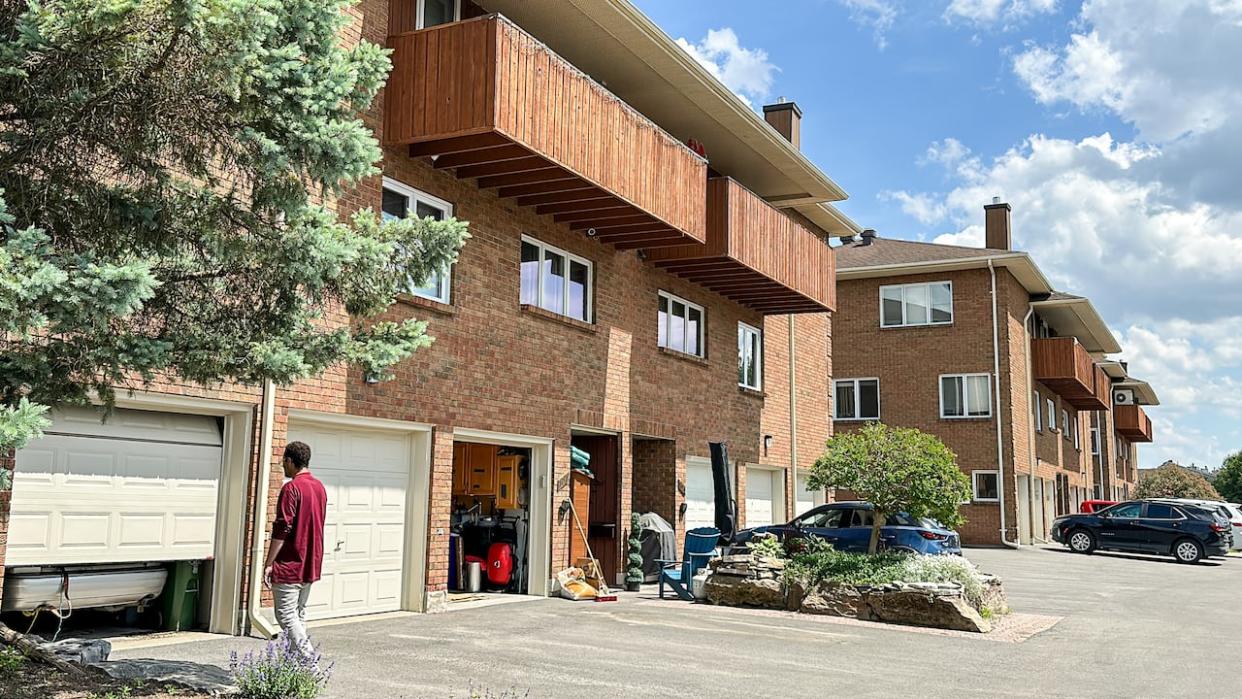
1123	396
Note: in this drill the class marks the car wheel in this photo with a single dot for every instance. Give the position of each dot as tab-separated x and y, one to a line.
1187	551
1081	541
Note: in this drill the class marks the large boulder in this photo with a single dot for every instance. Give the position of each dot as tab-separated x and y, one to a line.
832	599
737	591
941	609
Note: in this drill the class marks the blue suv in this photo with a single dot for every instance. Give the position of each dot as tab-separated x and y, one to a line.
847	526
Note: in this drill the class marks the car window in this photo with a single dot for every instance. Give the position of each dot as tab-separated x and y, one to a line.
1129	509
820	519
1157	510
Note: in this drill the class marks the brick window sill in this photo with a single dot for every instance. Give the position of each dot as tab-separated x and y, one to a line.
966	419
545	314
683	356
443	309
754	393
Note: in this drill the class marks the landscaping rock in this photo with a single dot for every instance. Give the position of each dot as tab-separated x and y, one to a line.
81	651
832	599
921	608
736	591
196	677
994	599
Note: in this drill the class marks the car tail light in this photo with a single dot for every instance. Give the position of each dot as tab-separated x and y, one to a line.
1218	527
932	536
1237	524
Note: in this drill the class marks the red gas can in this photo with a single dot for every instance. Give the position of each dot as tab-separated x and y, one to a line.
499	564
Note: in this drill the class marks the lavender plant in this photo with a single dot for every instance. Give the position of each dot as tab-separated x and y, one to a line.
280	671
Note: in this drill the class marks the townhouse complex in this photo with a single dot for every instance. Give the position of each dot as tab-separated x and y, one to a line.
976	347
649	271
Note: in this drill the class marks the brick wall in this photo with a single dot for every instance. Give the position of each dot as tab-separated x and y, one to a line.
812	381
6	464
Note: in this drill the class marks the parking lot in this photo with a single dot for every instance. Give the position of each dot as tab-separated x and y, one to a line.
1129	626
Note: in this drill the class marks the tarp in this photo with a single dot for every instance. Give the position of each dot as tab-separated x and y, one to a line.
659	542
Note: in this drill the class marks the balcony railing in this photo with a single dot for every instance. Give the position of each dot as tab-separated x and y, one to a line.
755	255
487	100
1132	423
1064	366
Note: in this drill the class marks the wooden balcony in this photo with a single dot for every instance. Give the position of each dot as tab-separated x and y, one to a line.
1064	366
486	100
755	255
1132	423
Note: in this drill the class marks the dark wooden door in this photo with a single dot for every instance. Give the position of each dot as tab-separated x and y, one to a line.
604	528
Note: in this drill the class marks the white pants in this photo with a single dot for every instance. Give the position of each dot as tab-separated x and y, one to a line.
290	600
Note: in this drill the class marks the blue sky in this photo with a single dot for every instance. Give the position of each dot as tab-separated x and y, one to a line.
1113	127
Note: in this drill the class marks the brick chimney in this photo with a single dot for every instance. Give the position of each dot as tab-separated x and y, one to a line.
786	118
997	233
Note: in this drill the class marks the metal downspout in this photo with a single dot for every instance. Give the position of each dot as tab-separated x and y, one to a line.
793	422
1000	441
261	491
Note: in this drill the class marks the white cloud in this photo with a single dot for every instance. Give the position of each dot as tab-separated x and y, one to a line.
1170	68
879	15
993	11
747	72
924	208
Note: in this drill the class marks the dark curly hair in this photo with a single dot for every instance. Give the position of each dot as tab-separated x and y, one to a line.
299	453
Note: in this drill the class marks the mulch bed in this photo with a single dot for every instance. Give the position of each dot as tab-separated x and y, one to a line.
38	681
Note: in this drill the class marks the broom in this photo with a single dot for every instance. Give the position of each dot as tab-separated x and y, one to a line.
604	594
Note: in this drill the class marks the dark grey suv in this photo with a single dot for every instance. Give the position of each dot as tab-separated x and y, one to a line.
1189	533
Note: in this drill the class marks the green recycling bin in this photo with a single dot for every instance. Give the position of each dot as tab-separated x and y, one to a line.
180	596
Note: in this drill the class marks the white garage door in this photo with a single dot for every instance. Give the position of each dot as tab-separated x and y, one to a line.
142	487
700	495
765	496
807	499
366	475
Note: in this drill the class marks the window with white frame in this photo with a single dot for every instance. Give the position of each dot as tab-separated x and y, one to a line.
1077	436
435	12
1095	441
682	325
749	357
1037	407
856	399
986	486
1052	415
1066	428
556	280
402	201
916	304
965	395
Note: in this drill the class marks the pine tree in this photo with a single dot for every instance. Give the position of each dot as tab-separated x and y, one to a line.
163	171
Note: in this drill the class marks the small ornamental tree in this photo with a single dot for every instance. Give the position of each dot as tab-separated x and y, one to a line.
634	560
1172	480
895	469
167	169
1229	478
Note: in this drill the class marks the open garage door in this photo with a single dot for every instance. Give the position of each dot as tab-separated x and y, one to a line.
140	487
367	476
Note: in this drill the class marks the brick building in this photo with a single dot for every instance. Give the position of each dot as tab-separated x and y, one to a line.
976	347
623	295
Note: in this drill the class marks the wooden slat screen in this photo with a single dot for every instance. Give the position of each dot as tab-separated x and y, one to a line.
488	75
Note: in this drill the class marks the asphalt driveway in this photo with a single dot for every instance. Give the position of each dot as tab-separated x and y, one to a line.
1129	626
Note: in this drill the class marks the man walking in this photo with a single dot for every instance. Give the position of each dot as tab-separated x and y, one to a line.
296	554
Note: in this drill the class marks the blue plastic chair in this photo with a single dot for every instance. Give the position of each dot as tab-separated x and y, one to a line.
700	546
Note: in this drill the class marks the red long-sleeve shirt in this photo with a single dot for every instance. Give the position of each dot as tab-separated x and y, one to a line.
300	512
